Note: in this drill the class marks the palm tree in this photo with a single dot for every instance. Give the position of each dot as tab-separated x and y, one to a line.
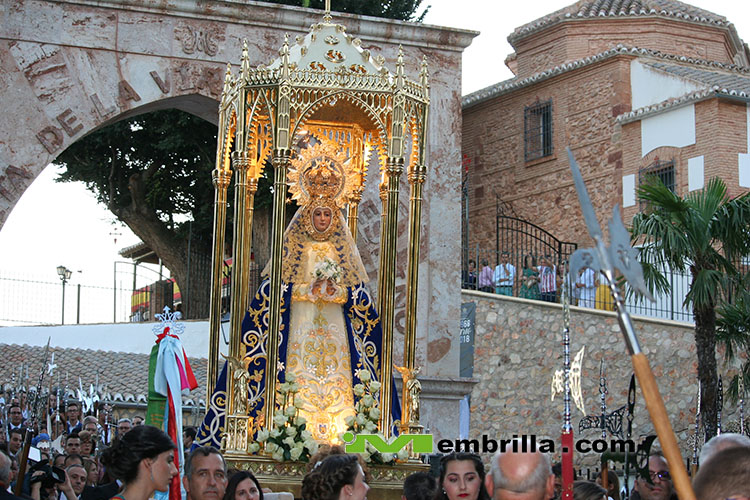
706	232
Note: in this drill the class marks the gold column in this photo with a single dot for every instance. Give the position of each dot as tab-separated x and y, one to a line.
394	170
221	180
281	164
241	165
352	214
381	267
417	176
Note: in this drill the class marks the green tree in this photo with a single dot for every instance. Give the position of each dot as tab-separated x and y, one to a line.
704	233
153	172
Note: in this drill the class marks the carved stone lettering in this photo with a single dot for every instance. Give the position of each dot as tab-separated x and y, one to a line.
164	85
99	107
191	77
68	122
51	138
127	92
194	40
18	172
3	191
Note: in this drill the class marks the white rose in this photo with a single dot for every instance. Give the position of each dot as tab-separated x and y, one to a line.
278	455
295	453
262	435
403	454
359	390
361	419
370	427
375	386
291	431
275	433
300	421
289	441
305	435
279	420
271	447
364	376
290	411
365	456
293	387
298	403
284	388
253	448
350	420
387	457
311	445
367	401
290	377
375	413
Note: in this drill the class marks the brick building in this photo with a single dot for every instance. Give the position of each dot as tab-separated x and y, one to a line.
632	86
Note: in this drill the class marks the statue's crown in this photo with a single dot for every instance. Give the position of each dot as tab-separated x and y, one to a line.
322	179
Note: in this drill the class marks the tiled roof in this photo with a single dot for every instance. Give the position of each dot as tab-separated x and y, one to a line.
123	377
738	82
596	9
516	83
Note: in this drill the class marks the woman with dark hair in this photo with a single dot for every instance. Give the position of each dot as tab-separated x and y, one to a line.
585	490
144	460
337	477
462	476
242	485
530	279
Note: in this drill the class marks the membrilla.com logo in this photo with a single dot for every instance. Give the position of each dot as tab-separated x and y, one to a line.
420	443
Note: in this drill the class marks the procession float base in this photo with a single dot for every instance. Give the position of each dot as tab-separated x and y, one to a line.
387	480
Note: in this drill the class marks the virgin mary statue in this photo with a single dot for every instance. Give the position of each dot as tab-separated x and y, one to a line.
330	332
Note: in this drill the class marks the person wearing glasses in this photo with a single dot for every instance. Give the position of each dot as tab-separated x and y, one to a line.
660	487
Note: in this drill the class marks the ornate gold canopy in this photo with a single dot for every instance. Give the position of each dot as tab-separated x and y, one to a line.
327	86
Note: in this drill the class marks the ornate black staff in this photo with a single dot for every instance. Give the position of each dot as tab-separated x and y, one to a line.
719	404
29	432
622	256
567	429
694	464
629	434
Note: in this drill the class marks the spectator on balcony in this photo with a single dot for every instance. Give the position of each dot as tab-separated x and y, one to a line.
586	288
485	280
529	279
547	280
469	276
505	275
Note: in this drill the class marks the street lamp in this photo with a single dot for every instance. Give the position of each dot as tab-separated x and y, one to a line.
64	274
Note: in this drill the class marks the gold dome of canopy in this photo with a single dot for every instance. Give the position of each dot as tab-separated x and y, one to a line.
327	47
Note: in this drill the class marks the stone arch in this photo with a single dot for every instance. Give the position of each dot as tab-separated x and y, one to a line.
71	66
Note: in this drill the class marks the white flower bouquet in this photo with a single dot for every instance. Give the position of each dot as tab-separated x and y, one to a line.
287	439
366	419
327	270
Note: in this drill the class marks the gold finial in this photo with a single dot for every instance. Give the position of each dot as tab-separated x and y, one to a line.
424	74
327	16
227	78
245	59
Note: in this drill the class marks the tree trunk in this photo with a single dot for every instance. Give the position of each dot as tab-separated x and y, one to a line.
194	283
705	345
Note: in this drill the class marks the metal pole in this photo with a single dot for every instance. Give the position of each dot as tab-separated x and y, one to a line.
78	306
62	320
114	294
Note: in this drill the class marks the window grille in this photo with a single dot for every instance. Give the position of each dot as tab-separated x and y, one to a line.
664	170
537	120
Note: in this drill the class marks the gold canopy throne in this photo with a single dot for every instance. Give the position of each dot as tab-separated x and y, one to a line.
325	85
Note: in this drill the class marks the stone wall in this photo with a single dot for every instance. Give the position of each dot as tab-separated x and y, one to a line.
518	347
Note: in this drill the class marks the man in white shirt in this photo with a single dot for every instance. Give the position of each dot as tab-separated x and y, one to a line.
505	276
586	288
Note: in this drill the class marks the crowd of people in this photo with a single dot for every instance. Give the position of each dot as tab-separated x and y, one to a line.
85	460
539	279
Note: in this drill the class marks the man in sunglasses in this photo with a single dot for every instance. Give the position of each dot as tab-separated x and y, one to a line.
661	487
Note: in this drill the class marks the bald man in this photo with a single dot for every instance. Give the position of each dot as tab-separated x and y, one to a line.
520	476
